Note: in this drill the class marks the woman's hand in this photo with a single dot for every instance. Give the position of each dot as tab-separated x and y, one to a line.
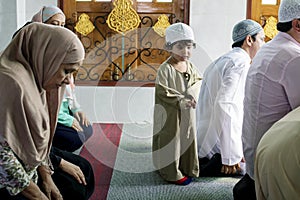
73	170
33	192
76	125
80	116
50	189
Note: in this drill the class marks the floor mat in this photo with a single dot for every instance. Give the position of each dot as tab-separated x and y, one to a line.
135	178
101	150
122	161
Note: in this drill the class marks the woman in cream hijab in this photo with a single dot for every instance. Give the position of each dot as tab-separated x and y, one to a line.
73	127
34	66
67	165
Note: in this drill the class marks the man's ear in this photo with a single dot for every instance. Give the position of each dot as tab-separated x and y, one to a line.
296	24
249	40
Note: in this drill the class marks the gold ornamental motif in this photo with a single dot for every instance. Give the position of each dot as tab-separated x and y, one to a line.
84	26
161	25
123	17
270	27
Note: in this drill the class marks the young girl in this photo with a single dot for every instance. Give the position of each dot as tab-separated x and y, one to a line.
176	91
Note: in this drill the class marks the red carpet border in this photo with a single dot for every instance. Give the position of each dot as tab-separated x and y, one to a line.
101	151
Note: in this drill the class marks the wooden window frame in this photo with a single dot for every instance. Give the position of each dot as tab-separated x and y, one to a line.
141	8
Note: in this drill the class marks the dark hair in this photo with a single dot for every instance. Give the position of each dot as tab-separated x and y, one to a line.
169	46
284	26
240	43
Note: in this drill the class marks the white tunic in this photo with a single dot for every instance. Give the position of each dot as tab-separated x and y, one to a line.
272	90
220	108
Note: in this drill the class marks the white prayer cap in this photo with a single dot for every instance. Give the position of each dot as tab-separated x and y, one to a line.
178	32
244	28
289	10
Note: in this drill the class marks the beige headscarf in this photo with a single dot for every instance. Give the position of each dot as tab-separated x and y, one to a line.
28	113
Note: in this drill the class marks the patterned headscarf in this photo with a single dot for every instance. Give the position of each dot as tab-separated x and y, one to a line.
28	113
46	13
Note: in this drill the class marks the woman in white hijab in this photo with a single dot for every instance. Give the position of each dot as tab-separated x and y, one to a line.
32	72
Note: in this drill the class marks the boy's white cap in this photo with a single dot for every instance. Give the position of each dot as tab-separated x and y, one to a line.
178	32
289	10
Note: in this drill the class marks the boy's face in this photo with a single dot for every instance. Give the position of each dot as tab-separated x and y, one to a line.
182	50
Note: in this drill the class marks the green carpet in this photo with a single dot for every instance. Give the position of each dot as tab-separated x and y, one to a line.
134	177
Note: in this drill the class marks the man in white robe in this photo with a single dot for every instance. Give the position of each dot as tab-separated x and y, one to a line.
220	108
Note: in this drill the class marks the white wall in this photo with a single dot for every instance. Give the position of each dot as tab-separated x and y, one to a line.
8	21
117	104
33	6
212	21
15	13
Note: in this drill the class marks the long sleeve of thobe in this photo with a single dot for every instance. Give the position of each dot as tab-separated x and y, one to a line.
164	92
228	115
172	96
221	121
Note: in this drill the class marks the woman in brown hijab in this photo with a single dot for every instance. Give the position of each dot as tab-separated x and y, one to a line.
34	66
67	165
73	127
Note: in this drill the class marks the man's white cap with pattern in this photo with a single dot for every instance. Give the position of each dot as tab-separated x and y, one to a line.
178	32
289	10
244	28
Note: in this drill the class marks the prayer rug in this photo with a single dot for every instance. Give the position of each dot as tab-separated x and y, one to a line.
101	150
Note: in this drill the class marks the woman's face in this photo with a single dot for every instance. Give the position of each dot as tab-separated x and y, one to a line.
62	76
57	20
